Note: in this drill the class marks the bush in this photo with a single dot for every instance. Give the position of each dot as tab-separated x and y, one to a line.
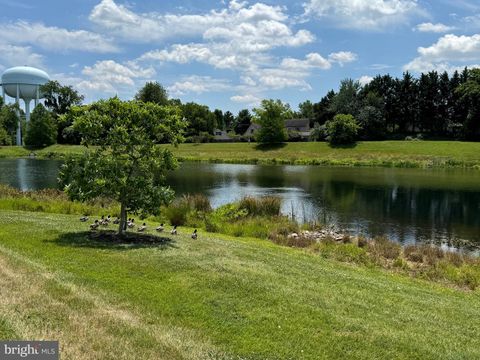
177	212
265	206
342	130
41	130
382	247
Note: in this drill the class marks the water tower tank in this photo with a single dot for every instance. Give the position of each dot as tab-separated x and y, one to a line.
23	82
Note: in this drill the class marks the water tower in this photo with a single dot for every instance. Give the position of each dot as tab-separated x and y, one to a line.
23	82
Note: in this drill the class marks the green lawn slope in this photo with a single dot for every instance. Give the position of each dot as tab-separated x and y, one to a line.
217	298
368	153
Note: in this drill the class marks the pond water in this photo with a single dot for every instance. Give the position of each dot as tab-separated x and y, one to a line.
409	205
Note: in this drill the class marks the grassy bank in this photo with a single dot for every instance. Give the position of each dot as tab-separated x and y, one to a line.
217	298
368	153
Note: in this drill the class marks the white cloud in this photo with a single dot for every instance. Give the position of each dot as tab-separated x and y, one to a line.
54	38
365	79
435	28
198	84
11	55
110	77
363	14
449	52
342	57
249	99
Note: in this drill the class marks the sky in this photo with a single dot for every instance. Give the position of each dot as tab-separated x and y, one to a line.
231	54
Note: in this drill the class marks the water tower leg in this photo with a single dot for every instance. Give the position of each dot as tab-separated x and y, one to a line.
37	96
27	110
19	128
3	94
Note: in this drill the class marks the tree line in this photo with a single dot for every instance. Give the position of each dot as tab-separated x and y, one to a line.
434	105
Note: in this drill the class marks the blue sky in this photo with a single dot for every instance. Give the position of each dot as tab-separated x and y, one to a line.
231	54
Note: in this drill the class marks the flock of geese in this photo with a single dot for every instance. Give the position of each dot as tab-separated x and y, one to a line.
105	221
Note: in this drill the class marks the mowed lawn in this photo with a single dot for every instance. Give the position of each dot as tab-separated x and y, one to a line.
217	298
367	153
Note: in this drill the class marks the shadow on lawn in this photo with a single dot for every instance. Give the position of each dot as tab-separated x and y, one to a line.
268	147
111	240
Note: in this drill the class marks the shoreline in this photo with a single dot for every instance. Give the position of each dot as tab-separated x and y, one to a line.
385	154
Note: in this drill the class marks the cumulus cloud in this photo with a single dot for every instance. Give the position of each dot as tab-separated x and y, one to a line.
54	38
365	79
10	55
434	28
448	53
198	84
342	57
363	14
108	76
248	99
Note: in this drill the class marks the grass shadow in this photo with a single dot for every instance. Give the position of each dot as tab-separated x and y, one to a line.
111	240
344	146
269	147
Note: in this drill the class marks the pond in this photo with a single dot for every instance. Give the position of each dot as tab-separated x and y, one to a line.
408	205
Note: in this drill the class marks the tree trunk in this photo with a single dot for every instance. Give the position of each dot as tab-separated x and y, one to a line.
123	219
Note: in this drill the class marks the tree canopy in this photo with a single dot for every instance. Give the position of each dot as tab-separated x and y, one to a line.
271	116
41	130
153	92
126	165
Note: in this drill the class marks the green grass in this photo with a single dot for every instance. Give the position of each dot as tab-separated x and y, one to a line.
218	297
368	153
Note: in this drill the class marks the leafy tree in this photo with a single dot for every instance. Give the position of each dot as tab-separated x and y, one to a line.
152	92
306	110
228	120
242	121
342	130
59	99
199	119
126	165
271	116
318	132
322	110
219	119
347	100
8	123
470	96
41	130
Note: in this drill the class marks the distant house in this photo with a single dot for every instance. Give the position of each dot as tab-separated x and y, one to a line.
221	136
301	126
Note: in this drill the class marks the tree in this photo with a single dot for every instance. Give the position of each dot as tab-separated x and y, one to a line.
199	119
306	110
271	116
152	92
126	165
228	120
219	119
242	121
8	123
347	100
41	130
322	110
342	130
469	93
59	99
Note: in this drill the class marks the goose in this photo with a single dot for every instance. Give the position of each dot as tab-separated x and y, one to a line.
160	228
116	221
131	224
142	228
174	230
108	219
95	225
194	235
84	218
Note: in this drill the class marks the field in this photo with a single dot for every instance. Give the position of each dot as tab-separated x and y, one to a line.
380	153
217	298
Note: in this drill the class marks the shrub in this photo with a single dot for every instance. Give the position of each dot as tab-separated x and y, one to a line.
265	206
382	247
342	130
41	130
362	242
177	212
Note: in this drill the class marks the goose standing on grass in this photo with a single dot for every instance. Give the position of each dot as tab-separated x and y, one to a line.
84	218
131	224
174	230
95	225
116	221
108	219
194	234
160	228
142	228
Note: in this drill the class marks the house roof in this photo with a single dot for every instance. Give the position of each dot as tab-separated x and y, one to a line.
297	123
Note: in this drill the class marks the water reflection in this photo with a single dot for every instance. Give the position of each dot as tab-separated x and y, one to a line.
406	204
